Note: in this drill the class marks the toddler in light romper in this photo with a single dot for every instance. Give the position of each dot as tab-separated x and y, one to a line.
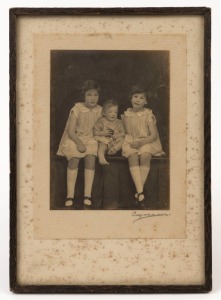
78	141
141	140
109	131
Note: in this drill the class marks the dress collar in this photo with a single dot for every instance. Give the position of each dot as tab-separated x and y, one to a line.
130	112
83	108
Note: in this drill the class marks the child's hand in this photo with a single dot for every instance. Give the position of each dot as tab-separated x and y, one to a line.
135	145
115	136
107	132
81	148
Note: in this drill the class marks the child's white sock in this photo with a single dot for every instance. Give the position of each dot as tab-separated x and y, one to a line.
71	181
144	171
88	182
135	173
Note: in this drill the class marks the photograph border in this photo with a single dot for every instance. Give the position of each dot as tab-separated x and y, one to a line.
14	13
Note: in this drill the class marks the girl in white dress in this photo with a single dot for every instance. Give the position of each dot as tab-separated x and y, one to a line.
78	141
141	140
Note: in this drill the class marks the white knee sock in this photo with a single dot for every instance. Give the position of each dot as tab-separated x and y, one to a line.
71	181
135	173
144	171
88	181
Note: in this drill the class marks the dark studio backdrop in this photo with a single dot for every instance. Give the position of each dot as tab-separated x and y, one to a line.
116	72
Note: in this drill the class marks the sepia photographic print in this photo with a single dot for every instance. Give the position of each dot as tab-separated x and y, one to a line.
119	75
109	192
113	128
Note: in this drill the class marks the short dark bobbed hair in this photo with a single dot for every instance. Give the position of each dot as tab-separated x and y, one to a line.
90	85
138	89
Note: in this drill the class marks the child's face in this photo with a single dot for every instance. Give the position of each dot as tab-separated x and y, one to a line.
91	98
111	113
138	101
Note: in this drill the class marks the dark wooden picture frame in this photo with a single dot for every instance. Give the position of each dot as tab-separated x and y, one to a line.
188	11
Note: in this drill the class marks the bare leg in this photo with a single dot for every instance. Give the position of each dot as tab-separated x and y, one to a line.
101	150
145	159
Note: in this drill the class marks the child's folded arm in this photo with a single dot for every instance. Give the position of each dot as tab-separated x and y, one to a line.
98	129
106	132
149	139
72	131
97	132
153	134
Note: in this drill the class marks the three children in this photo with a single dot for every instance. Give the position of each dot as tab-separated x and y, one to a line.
89	134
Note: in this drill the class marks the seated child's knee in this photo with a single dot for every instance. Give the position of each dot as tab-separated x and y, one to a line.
73	163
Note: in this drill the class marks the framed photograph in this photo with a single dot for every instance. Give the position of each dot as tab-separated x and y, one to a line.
110	150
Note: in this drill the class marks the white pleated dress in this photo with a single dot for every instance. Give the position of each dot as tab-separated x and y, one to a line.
86	119
137	128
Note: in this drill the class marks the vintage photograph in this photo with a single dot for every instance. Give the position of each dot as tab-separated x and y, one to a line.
111	151
109	136
109	129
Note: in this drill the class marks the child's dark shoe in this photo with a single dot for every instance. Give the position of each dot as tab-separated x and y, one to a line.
140	200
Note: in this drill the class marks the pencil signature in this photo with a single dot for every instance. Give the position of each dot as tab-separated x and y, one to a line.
140	216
